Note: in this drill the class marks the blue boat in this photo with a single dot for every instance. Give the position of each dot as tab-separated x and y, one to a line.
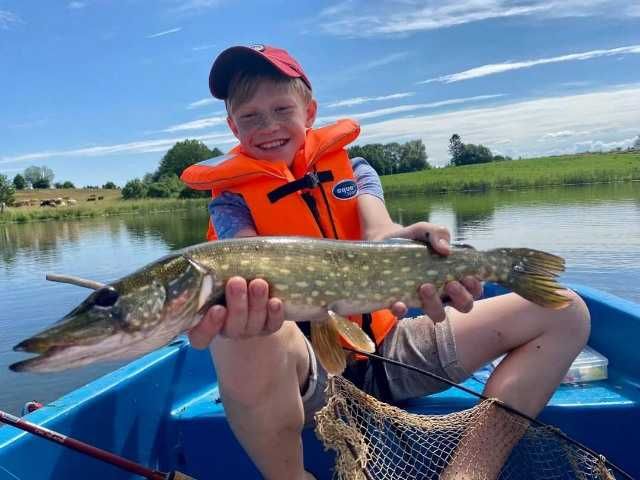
163	411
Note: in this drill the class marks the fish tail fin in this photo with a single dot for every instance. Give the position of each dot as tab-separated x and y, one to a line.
325	339
533	275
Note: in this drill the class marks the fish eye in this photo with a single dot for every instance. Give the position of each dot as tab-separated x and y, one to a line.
106	297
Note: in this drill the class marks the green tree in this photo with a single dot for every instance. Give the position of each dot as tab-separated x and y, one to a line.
181	155
373	153
413	156
7	190
39	177
110	186
166	187
636	144
456	148
68	184
134	189
467	154
392	157
19	182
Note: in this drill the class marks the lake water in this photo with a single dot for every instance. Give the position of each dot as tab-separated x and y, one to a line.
596	228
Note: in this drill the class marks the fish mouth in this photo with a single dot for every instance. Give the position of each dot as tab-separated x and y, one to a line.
62	357
34	345
31	364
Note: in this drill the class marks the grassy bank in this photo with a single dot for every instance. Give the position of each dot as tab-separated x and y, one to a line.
537	172
530	173
110	204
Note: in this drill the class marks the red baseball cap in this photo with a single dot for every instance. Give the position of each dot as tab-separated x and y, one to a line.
235	58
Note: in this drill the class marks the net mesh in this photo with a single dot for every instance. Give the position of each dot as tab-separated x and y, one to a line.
374	440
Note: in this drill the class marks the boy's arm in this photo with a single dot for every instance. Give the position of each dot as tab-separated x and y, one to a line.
376	224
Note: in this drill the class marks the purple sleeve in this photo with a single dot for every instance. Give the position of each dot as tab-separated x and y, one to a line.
229	214
367	178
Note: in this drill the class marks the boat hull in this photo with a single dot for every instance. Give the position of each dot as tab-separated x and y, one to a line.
163	411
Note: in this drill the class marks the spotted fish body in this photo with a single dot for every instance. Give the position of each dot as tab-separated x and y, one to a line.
151	306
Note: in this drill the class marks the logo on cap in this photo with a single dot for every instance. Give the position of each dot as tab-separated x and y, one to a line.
345	190
257	47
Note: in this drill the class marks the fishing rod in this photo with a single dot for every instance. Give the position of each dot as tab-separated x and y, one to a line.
515	411
90	450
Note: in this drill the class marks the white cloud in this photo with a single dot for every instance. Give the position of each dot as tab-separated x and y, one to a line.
202	103
145	146
7	18
386	60
193	5
373	64
367	19
406	108
76	5
166	32
613	114
601	146
197	124
494	68
560	134
349	102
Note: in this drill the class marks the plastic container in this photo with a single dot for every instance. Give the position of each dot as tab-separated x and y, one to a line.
588	366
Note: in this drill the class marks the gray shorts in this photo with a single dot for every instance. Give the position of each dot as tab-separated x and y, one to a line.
416	341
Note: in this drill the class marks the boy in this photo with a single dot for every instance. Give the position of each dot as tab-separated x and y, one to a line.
286	178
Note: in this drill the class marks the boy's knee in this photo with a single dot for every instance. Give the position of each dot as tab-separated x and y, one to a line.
576	318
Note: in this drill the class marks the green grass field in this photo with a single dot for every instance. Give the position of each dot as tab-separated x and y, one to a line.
530	173
110	204
517	174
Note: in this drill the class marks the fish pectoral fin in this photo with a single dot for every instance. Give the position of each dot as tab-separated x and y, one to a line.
325	339
352	334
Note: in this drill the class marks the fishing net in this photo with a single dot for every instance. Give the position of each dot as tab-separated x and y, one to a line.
374	440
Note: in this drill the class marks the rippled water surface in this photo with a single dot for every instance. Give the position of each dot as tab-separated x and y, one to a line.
596	228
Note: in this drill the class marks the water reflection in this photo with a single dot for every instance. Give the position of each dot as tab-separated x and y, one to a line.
48	239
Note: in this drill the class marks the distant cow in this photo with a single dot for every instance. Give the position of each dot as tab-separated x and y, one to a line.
48	202
72	201
91	199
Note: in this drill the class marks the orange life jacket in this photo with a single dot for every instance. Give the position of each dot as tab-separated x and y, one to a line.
316	197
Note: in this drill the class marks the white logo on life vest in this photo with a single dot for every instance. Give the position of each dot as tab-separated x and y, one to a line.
345	190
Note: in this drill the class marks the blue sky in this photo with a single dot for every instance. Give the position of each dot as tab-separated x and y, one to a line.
99	90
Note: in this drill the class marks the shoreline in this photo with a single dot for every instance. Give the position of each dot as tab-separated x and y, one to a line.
514	175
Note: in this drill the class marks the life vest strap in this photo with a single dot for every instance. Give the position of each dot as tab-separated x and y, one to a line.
310	180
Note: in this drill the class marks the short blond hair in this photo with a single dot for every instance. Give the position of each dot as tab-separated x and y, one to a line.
243	86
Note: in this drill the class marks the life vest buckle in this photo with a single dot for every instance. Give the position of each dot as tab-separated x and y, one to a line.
313	179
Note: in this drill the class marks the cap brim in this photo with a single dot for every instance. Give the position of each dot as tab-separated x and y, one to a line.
233	59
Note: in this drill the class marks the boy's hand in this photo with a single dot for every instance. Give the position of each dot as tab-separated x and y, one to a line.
462	294
249	312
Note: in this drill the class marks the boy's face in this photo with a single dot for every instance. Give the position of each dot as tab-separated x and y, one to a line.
272	124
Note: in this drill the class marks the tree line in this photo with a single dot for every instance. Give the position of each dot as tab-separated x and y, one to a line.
164	182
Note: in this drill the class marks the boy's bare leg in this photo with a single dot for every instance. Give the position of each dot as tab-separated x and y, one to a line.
260	380
541	343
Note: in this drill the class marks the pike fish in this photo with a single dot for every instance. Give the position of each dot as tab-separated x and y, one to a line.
318	280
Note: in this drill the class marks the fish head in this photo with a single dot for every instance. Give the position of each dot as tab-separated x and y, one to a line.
134	315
